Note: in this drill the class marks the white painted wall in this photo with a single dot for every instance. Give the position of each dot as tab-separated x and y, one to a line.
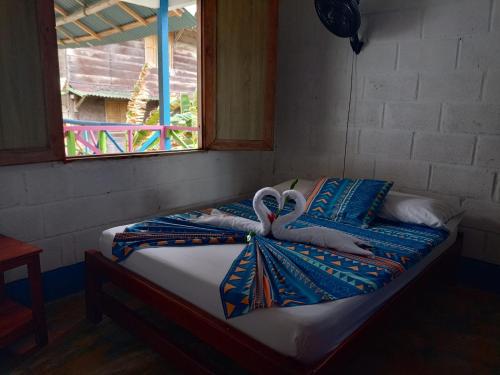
425	104
64	207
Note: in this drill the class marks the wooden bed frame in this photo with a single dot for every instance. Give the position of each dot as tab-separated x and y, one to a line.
247	352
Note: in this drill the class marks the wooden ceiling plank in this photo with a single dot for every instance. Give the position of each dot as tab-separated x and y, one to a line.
109	32
70	37
132	13
87	29
60	10
108	21
87	11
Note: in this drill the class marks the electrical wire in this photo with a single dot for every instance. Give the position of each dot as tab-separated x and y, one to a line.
348	114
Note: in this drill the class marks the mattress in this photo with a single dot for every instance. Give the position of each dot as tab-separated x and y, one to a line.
306	333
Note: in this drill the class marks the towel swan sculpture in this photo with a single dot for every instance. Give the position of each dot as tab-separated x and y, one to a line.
318	236
261	227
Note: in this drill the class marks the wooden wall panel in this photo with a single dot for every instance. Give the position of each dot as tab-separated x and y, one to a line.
239	45
22	104
30	100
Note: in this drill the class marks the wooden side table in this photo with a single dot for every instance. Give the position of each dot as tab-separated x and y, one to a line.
17	320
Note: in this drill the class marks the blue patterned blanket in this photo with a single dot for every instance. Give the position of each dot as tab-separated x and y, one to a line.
269	272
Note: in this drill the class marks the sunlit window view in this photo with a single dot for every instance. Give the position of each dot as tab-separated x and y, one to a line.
128	75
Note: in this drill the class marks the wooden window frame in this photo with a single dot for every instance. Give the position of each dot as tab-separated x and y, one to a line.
51	91
209	83
207	69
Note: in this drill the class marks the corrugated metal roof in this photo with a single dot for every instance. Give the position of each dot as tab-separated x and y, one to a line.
105	94
118	17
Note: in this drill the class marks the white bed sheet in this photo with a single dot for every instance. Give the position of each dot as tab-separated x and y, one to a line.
306	333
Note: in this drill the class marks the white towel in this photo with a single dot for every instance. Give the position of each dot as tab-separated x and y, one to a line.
318	236
262	227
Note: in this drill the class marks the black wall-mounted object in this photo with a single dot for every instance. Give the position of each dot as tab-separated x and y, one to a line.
342	18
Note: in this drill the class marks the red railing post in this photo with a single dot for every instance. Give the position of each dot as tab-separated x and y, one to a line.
130	140
74	134
162	138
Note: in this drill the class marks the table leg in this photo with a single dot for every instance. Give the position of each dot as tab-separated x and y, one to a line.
35	280
93	286
2	287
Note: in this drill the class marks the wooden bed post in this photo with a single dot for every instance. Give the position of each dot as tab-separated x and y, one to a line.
93	287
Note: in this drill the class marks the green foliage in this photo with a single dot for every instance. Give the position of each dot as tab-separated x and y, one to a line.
183	112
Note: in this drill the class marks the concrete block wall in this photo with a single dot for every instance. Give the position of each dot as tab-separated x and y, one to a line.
425	108
63	208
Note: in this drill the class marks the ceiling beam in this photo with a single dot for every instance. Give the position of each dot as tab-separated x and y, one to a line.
78	23
108	21
70	37
87	11
109	32
132	13
87	29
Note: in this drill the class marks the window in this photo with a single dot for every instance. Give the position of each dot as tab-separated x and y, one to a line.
125	89
92	64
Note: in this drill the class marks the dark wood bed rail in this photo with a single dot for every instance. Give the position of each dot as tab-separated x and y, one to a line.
247	352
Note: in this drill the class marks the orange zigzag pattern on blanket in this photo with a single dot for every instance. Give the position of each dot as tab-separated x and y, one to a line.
319	184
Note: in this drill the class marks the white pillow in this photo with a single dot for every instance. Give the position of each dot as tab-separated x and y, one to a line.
415	209
304	186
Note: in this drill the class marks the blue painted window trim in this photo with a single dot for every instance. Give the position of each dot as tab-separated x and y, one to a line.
164	67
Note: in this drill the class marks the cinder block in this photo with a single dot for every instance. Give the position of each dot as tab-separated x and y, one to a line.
450	86
388	5
23	223
455	18
327	140
12	189
53	250
78	214
179	194
492	249
471	118
474	243
377	57
358	166
492	87
480	52
366	114
388	26
335	166
496	195
308	165
397	86
312	165
412	116
87	240
409	174
48	183
462	181
451	199
16	274
496	17
428	55
388	143
482	214
488	152
266	168
97	177
446	148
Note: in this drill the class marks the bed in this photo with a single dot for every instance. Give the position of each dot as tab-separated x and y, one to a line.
183	284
